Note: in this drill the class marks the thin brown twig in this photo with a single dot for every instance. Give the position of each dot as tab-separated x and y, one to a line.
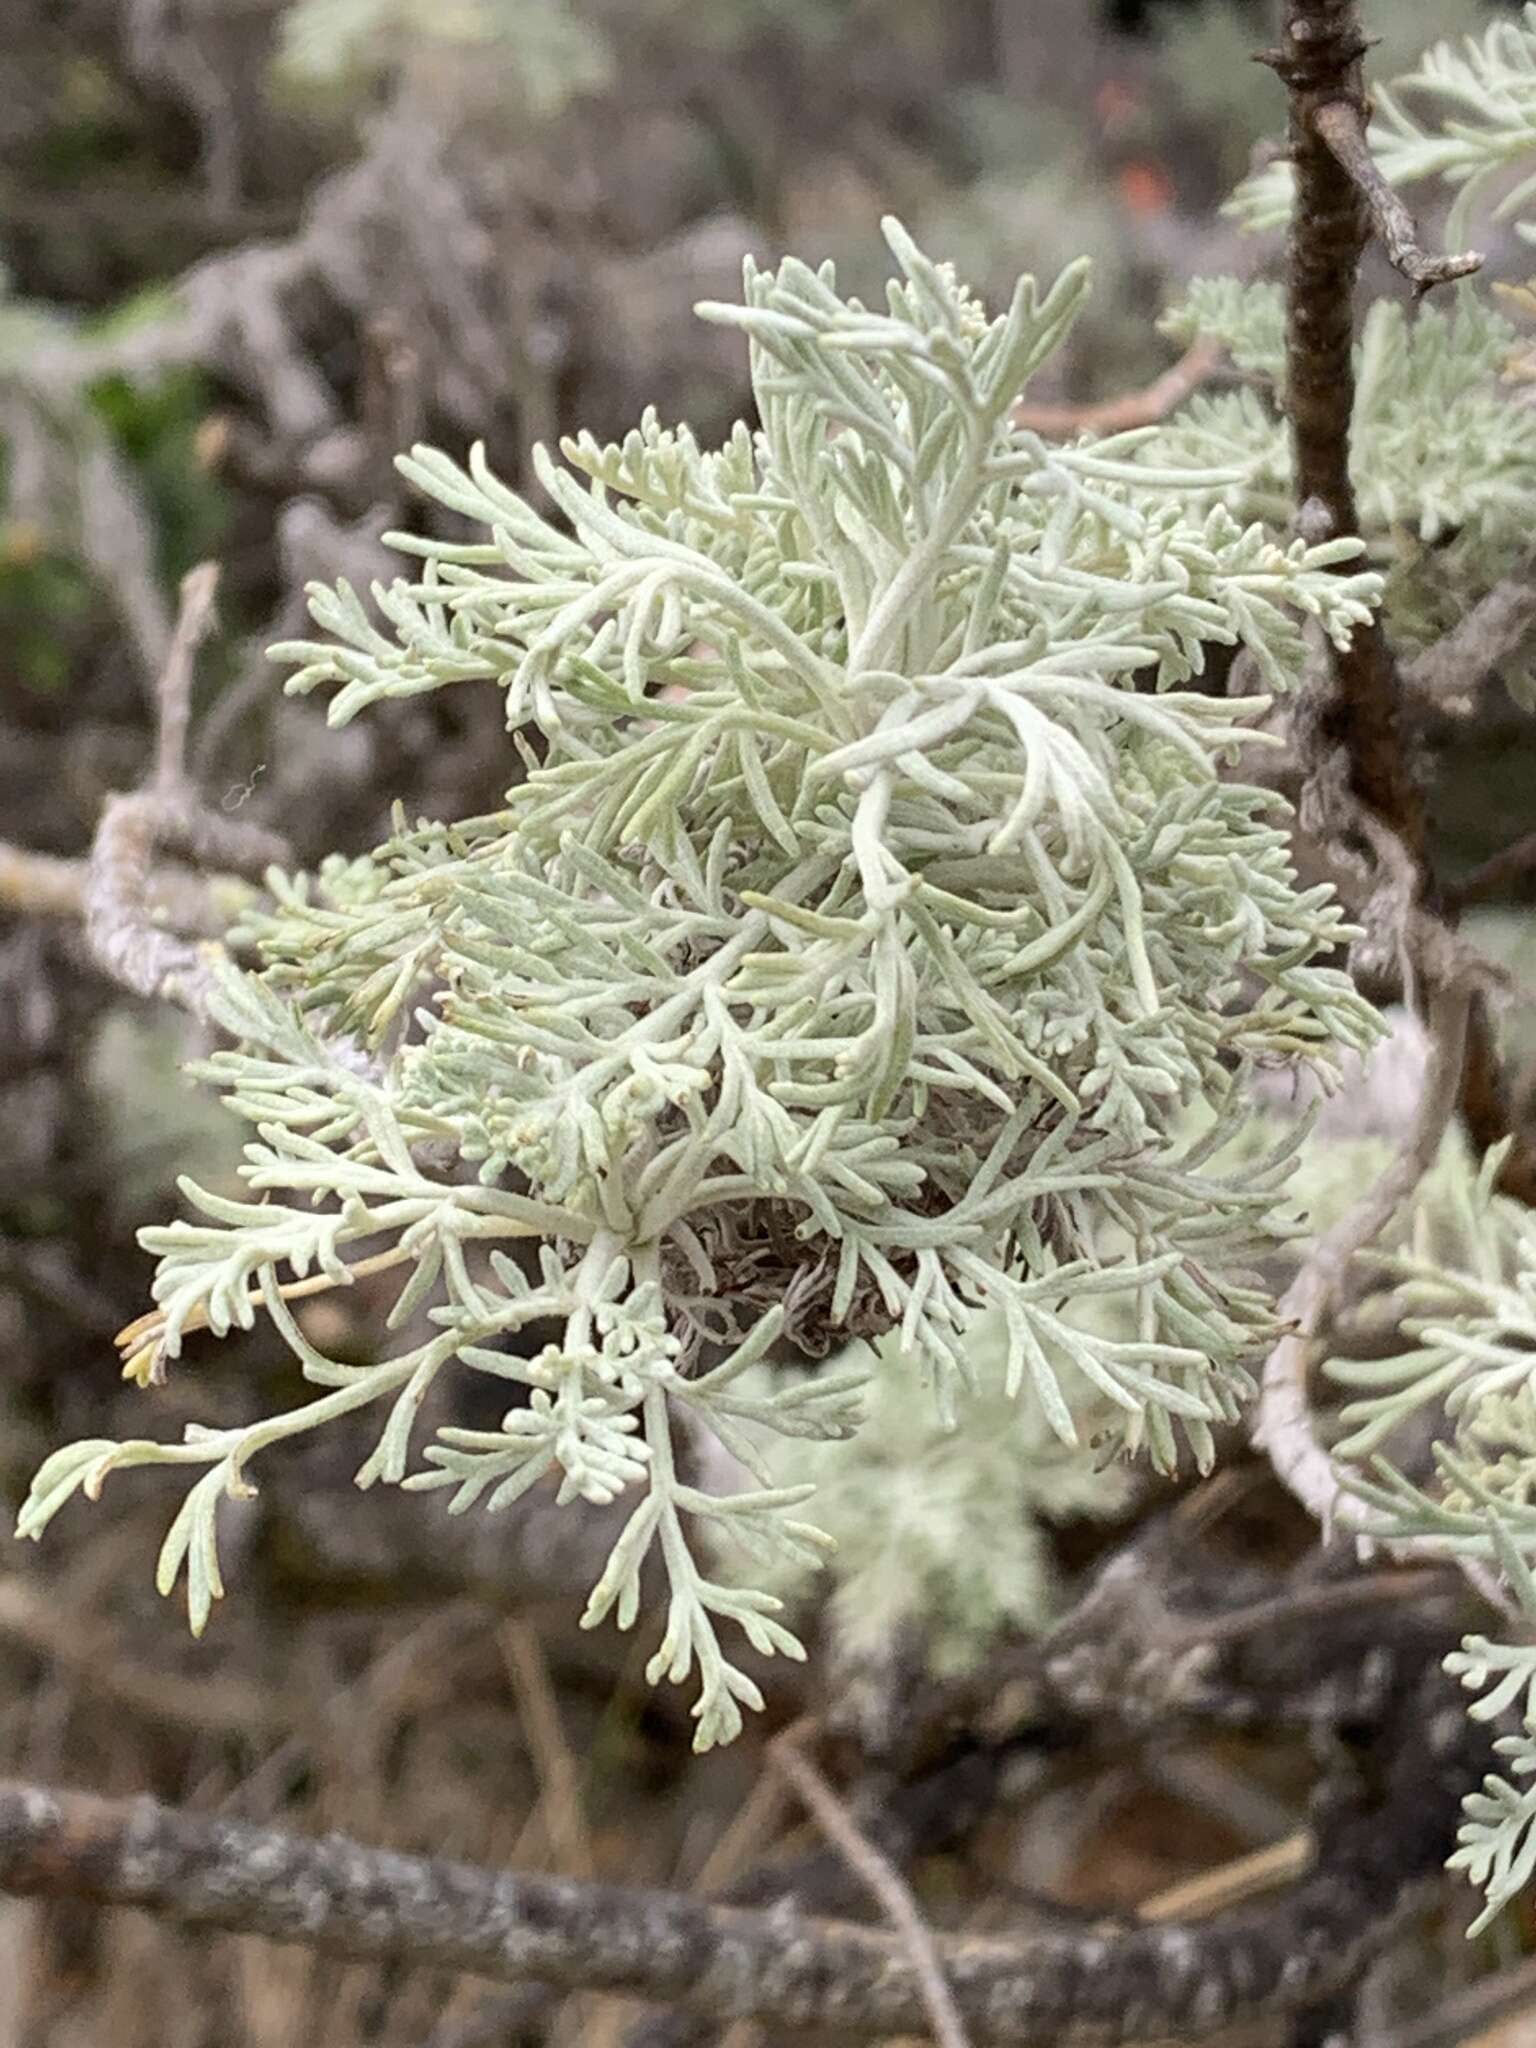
884	1881
560	1802
1514	863
1501	624
1143	408
1230	1884
1319	61
1283	1424
194	622
1342	125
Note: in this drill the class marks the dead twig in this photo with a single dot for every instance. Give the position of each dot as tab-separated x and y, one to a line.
884	1881
121	927
194	622
560	1802
1143	408
723	1963
1515	863
1445	676
1319	61
1231	1884
1342	125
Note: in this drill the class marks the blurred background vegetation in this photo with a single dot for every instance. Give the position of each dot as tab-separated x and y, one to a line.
248	250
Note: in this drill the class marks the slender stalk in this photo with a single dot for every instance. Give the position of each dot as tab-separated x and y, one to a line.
1319	60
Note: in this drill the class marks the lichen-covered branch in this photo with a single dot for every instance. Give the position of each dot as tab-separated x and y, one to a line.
125	938
1070	1984
122	928
1283	1425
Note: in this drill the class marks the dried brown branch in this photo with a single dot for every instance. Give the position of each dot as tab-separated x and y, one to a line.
1342	125
1512	864
1143	408
884	1882
1497	627
1247	1877
125	936
1071	1983
121	928
1283	1426
194	622
100	1655
1319	61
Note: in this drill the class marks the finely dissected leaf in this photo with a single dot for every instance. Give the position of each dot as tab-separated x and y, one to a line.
869	924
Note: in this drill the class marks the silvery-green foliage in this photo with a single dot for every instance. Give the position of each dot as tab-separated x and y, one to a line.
1247	319
941	1546
1480	97
1463	1288
1476	127
869	916
1443	453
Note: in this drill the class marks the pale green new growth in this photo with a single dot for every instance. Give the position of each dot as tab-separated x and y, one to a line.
1467	1281
869	915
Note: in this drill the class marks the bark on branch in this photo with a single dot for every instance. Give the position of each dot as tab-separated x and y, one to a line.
1319	61
1361	719
1073	1984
